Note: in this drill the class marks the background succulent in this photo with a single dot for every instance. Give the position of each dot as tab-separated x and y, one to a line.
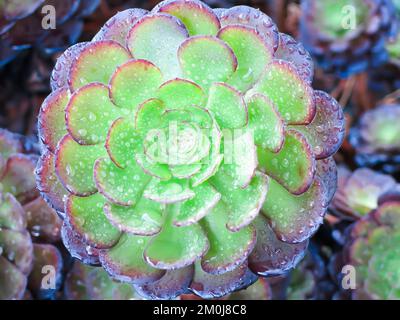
186	213
21	25
27	224
327	33
358	192
376	139
373	249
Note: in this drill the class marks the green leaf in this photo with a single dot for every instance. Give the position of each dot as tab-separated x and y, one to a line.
206	60
156	38
252	53
292	96
96	63
144	218
243	204
176	247
123	142
228	249
293	166
180	93
133	83
90	113
120	186
185	171
240	157
198	18
74	165
87	218
125	261
148	115
295	218
227	105
266	123
173	190
192	210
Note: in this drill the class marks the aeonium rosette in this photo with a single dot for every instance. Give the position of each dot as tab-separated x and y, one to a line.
186	149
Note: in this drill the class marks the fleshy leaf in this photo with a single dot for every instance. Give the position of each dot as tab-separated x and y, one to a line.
173	190
252	53
90	113
18	177
180	93
122	142
13	281
240	157
228	250
117	27
294	52
171	285
77	247
12	215
176	247
120	186
271	256
244	15
51	122
48	184
227	105
191	211
185	171
148	115
243	204
60	74
198	18
96	62
145	218
74	165
155	169
326	132
43	222
86	217
125	262
206	60
134	82
209	286
17	248
266	122
293	166
295	218
326	171
156	38
292	96
208	170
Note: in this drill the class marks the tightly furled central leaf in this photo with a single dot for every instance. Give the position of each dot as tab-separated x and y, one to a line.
168	133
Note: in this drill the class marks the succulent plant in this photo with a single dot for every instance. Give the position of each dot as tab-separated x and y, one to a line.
358	192
373	250
21	25
85	282
168	135
24	218
310	280
376	139
347	37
